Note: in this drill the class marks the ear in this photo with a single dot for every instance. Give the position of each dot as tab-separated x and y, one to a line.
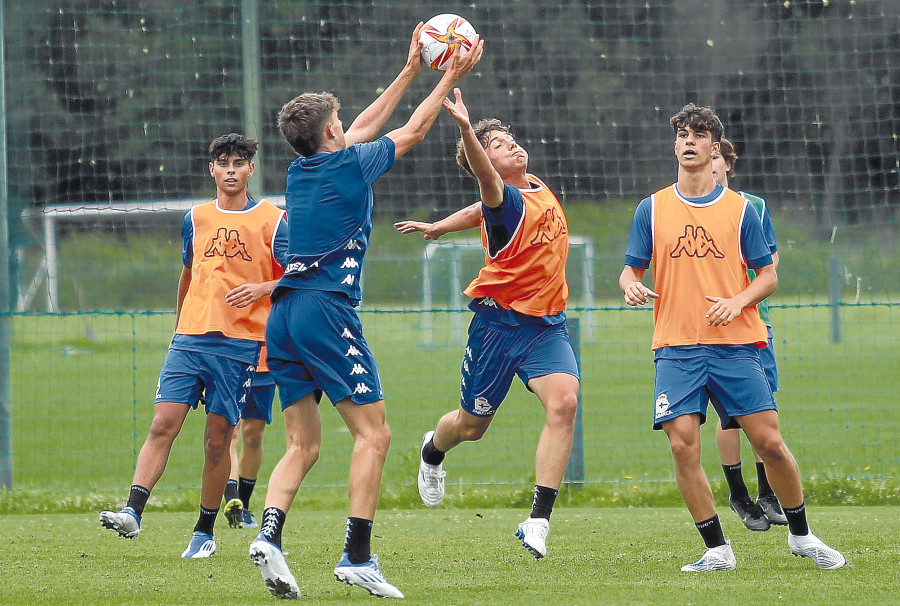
252	168
329	130
716	147
211	174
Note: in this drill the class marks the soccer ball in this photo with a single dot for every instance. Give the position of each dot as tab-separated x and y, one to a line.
440	36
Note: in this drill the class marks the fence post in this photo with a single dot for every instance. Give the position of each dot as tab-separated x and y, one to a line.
834	299
575	468
6	471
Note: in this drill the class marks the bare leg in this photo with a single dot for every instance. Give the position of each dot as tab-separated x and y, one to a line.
684	439
168	417
217	464
252	448
558	392
304	436
371	439
763	432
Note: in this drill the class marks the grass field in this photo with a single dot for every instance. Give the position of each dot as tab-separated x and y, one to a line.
453	556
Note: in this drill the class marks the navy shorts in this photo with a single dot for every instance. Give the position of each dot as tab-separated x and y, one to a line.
735	384
262	394
496	352
221	384
316	344
767	358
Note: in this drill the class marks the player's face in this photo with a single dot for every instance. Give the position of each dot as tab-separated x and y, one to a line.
231	173
506	156
694	149
720	169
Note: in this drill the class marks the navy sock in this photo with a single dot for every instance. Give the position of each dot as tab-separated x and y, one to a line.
432	455
137	499
711	531
735	480
359	538
273	523
764	488
796	518
207	520
542	505
245	490
231	490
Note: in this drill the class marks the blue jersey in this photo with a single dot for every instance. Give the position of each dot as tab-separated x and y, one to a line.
329	201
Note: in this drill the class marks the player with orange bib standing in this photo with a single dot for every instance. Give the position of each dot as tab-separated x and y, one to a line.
700	238
233	248
519	326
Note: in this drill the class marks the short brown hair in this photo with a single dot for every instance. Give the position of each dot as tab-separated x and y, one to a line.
698	119
483	130
726	148
232	144
303	118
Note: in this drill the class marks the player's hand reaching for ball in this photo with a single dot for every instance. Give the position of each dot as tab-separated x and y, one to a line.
414	58
461	63
457	109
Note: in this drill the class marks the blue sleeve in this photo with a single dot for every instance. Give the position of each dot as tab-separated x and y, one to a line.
187	240
375	158
280	243
501	222
639	250
753	243
769	230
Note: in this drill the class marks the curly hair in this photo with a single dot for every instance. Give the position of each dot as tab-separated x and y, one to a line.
483	130
698	119
726	148
232	144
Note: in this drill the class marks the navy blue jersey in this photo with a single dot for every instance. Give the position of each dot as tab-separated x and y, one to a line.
329	201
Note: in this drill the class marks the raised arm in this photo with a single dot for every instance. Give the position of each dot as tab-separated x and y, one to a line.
372	119
463	219
490	184
414	131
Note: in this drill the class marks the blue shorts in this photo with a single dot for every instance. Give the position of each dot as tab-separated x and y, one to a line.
734	383
767	358
316	344
496	352
221	384
262	394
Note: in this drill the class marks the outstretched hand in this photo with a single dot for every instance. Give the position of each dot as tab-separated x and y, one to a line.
408	227
414	58
458	109
460	64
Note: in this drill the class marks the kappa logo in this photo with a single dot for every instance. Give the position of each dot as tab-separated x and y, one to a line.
348	279
243	399
349	263
247	383
352	351
227	243
468	352
346	334
696	243
157	388
361	388
662	406
353	245
466	365
358	370
551	228
483	407
489	302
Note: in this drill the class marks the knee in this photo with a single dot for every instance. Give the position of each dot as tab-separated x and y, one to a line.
473	434
253	439
684	446
562	412
771	450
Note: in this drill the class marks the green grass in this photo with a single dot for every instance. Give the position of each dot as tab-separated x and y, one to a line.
453	556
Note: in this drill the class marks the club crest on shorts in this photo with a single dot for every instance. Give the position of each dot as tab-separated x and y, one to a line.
482	406
662	406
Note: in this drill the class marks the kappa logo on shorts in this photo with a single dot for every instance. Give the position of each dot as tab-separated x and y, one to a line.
483	407
662	406
247	383
349	263
466	365
353	245
348	280
468	352
361	388
358	370
352	351
157	388
346	334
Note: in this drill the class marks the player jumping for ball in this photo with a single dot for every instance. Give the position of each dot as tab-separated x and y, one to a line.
314	334
700	239
519	326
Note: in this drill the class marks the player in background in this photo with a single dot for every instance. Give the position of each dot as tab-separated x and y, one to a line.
256	414
231	247
314	334
758	515
519	326
700	238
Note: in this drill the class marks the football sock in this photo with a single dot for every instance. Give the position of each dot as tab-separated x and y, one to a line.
711	531
231	490
137	499
796	518
359	537
735	480
273	523
432	455
542	505
245	490
764	488
207	520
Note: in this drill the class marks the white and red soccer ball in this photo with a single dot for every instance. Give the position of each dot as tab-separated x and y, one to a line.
441	35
